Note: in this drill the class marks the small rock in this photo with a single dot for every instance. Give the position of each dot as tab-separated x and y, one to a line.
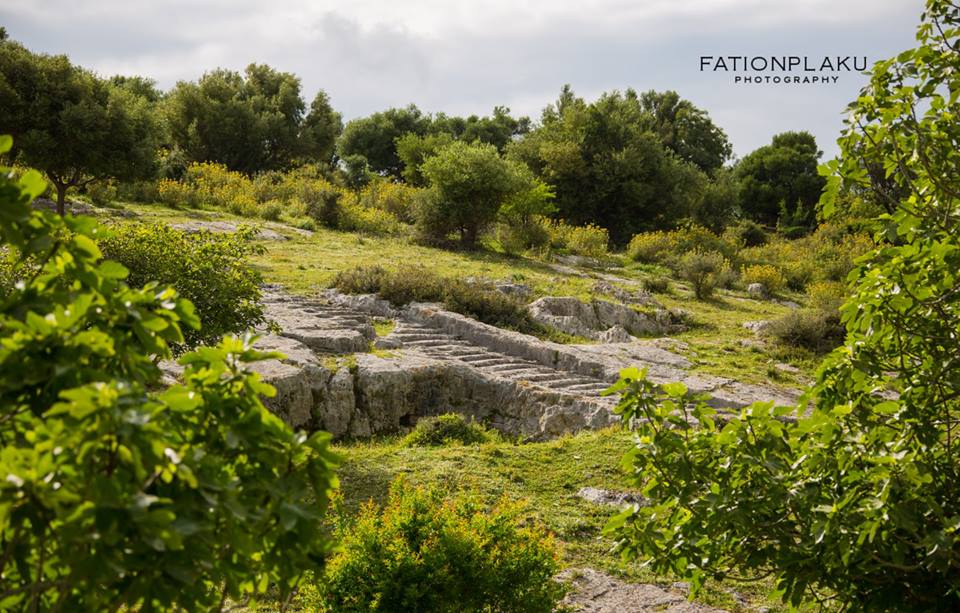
616	334
514	289
786	368
757	327
387	343
597	495
788	303
758	291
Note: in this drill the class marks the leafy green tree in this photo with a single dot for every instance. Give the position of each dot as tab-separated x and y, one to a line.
115	497
70	124
468	185
687	130
499	129
414	149
856	502
779	181
374	138
320	129
250	122
608	167
139	86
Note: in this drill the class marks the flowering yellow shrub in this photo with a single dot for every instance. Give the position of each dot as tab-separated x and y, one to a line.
769	276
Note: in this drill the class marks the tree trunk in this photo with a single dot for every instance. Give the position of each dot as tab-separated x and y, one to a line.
61	198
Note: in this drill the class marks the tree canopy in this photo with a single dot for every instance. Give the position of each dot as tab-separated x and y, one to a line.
608	167
779	182
250	122
72	125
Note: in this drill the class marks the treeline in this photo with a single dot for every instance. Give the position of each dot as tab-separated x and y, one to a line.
627	162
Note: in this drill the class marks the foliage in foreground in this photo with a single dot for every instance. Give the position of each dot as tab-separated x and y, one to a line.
113	497
447	429
856	502
210	270
424	553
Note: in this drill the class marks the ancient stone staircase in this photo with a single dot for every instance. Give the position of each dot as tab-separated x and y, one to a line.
444	346
437	361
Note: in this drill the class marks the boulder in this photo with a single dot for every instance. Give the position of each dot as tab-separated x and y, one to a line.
758	291
590	319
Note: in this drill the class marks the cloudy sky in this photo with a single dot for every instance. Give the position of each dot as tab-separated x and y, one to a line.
466	57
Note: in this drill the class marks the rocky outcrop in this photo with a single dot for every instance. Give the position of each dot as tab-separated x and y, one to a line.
434	361
593	319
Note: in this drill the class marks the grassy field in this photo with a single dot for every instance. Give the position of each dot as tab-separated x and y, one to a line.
547	475
305	264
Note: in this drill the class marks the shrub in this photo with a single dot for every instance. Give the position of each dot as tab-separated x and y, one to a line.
397	199
406	284
811	329
656	285
746	233
700	270
102	192
210	270
117	498
482	301
517	238
651	247
354	217
769	276
827	296
424	553
588	240
271	210
447	429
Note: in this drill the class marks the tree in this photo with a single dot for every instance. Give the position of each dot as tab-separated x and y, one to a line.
779	181
250	122
116	497
70	124
687	130
374	138
413	150
855	502
320	129
498	130
469	183
607	167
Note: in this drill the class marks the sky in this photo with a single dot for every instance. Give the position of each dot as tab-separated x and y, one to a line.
465	58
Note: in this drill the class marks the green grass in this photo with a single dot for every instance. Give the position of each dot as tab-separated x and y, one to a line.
549	474
305	264
546	475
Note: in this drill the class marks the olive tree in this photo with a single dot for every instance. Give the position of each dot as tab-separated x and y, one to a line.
855	502
72	125
468	185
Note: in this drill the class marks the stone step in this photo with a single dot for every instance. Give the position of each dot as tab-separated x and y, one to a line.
425	343
493	360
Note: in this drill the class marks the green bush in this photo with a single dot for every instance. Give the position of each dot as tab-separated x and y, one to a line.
118	498
424	553
827	296
811	329
211	270
651	247
656	285
447	429
746	233
769	276
701	270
